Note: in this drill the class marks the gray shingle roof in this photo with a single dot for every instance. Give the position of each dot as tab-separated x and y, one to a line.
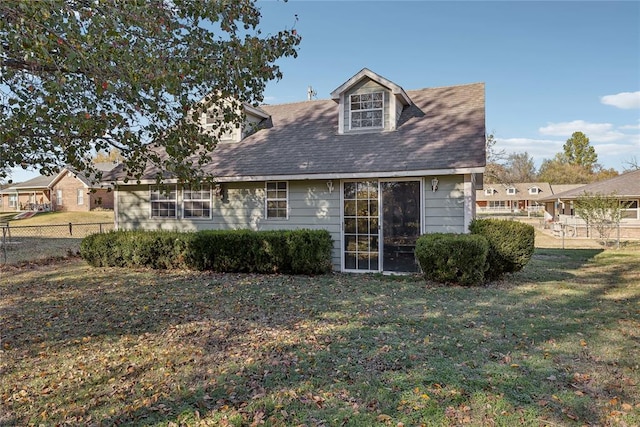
624	185
443	129
39	182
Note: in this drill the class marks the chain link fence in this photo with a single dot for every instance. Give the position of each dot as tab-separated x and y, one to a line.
29	243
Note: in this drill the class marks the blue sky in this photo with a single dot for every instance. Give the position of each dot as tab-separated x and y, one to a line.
550	68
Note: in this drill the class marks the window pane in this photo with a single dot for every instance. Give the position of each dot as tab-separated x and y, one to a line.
349	225
350	207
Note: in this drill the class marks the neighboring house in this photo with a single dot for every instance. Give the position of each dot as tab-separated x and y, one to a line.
517	197
375	165
66	191
625	187
500	198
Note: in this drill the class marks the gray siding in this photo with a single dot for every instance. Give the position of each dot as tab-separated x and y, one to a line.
444	209
242	207
311	205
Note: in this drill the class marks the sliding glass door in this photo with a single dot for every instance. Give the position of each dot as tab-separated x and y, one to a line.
381	222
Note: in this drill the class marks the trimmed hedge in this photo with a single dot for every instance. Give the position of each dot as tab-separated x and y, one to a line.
290	251
453	258
511	244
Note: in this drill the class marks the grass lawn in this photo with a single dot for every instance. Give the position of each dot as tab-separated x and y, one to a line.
46	235
48	218
556	344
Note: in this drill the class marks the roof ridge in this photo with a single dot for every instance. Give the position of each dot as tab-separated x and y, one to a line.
447	86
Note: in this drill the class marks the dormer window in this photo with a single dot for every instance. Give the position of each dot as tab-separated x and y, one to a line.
367	110
488	191
215	123
511	191
534	190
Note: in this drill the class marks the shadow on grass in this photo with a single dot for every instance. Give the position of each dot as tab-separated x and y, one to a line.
332	350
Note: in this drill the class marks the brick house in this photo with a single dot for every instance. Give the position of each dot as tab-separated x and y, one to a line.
66	191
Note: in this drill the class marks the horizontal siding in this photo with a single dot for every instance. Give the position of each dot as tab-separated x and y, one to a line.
311	206
444	208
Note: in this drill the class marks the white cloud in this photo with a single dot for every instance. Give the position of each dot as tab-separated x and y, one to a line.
596	132
624	100
630	127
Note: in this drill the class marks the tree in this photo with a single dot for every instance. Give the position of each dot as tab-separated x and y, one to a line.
632	164
600	211
113	156
494	170
80	77
578	151
558	171
520	168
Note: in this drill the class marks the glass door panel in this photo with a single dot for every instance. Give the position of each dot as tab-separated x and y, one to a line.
361	233
400	224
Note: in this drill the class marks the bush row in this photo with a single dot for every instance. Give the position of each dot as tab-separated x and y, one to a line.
493	248
290	251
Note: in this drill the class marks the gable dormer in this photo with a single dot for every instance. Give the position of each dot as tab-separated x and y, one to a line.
369	103
535	190
213	120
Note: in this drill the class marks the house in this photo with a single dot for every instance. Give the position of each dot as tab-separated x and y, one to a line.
625	187
66	191
517	197
375	165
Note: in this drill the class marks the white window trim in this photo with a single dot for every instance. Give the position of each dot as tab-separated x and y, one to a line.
153	188
511	191
80	196
365	110
13	200
267	200
534	190
488	191
59	197
209	200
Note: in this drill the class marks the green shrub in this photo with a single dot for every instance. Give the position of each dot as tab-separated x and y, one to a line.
511	244
154	249
297	251
309	251
453	258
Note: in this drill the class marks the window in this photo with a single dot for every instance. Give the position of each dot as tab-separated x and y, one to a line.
366	111
511	191
80	196
196	203
163	202
488	191
59	197
276	201
13	200
629	209
534	190
217	125
497	204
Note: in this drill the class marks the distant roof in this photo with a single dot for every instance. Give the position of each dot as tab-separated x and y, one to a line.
44	182
442	131
37	183
522	191
624	185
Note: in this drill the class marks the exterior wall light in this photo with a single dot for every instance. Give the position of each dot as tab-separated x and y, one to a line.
330	186
434	184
